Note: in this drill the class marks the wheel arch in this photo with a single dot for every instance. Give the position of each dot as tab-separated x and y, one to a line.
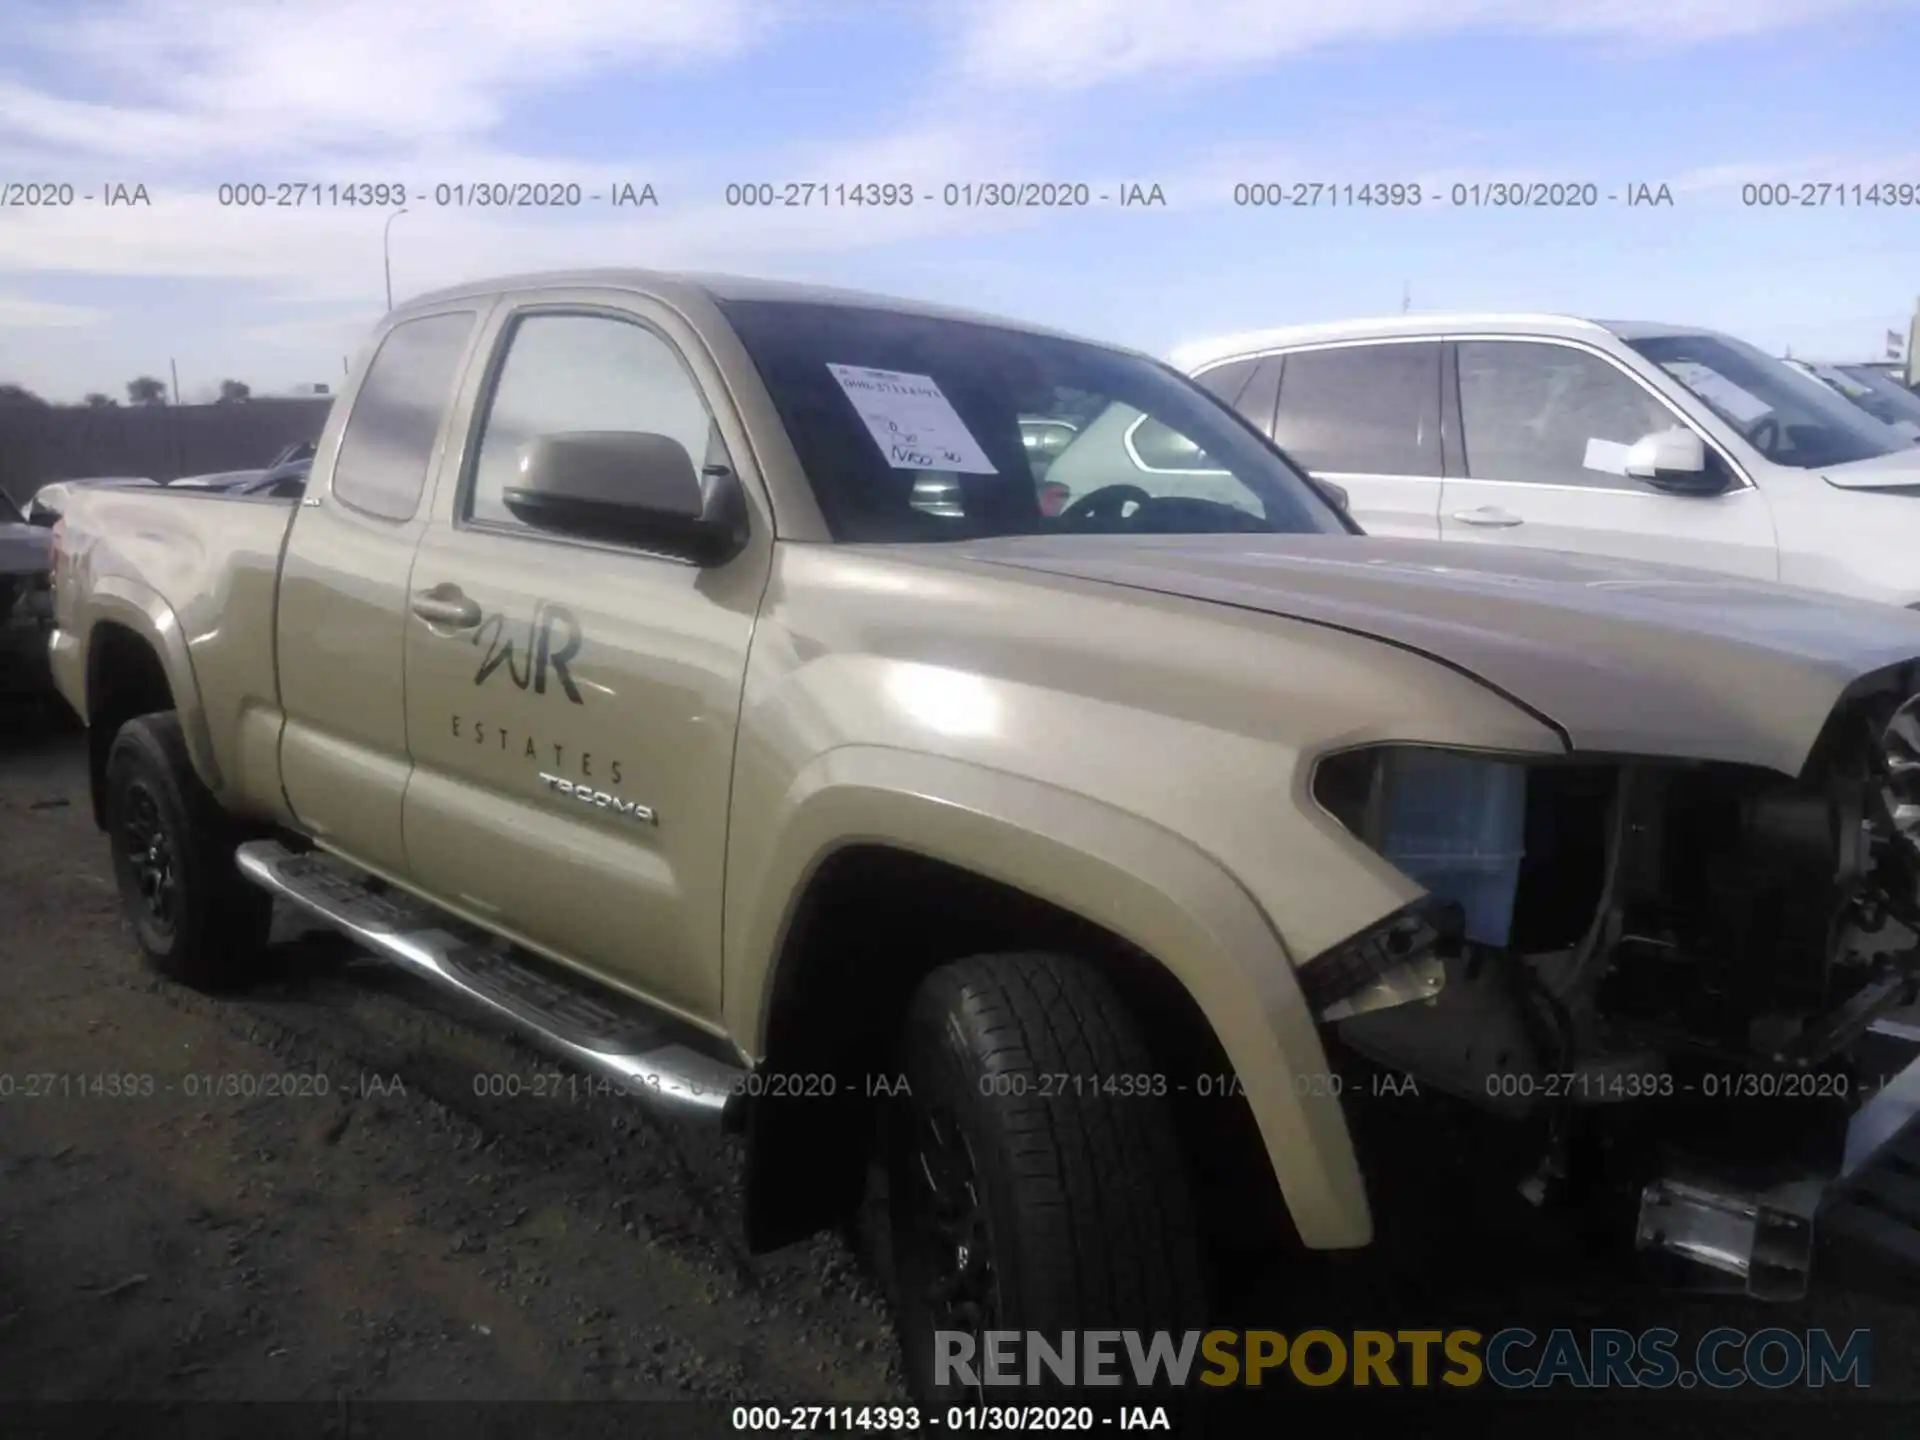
878	880
135	663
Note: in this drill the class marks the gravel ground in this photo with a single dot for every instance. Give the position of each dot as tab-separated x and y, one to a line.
400	1237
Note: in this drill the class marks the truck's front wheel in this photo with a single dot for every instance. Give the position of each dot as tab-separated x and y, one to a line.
1036	1182
196	919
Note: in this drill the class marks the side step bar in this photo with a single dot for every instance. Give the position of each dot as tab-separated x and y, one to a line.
656	1059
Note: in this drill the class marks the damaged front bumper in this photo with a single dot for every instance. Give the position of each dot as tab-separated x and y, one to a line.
1760	1239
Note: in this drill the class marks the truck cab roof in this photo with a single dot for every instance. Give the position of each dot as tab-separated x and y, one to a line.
680	288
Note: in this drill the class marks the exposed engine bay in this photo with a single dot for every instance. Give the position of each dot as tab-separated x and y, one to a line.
1699	937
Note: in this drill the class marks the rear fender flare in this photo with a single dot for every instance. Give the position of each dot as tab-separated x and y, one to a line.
119	600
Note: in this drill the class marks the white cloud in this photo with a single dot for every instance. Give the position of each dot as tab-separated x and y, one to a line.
1076	44
22	314
371	90
265	78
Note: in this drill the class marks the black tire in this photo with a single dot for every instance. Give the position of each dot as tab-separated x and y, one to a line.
196	919
1080	1192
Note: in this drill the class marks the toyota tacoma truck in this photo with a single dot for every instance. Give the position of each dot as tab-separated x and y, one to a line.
687	672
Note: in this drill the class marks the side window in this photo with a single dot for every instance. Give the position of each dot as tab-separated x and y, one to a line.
1550	414
1228	380
388	444
1262	394
584	372
1362	409
1157	446
1142	452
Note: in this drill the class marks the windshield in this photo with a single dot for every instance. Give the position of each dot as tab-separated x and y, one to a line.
1787	415
916	428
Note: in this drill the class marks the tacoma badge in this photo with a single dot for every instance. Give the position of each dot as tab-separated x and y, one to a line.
600	798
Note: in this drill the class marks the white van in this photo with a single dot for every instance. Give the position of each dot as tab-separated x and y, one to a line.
1654	442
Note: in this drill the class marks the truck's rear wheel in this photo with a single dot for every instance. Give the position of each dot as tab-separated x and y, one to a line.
1035	1179
196	919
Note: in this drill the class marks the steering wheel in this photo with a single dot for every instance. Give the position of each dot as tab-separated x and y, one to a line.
1768	425
1106	503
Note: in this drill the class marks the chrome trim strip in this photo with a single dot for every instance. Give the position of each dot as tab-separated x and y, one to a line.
669	1076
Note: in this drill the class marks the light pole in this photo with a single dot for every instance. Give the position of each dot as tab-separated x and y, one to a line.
386	250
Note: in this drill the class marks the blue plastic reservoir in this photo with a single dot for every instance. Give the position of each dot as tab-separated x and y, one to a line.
1456	824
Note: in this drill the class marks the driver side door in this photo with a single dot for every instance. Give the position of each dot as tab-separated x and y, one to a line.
1545	426
572	725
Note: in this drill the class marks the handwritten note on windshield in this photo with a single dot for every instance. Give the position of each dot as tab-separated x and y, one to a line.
912	421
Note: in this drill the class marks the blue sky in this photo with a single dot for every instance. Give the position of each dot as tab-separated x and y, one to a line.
1704	96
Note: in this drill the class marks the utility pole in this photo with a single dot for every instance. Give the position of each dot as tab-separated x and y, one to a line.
174	365
1406	297
386	251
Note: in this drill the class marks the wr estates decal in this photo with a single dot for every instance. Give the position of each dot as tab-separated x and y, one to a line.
550	640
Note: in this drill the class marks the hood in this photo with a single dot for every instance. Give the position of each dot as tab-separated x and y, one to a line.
1898	471
1620	657
25	549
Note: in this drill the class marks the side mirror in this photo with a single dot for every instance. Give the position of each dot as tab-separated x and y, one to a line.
1674	460
630	486
1334	495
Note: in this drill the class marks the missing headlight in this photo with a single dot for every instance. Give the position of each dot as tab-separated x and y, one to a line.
1451	821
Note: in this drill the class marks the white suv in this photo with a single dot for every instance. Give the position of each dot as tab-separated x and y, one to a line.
1652	442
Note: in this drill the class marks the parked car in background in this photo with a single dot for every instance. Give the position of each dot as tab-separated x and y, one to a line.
1645	441
1873	390
48	503
1894	370
25	558
220	480
26	609
293	454
287	481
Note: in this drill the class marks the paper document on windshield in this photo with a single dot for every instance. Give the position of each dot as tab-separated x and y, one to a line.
1718	391
912	421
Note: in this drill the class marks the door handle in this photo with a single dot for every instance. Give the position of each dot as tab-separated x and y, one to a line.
1488	515
445	605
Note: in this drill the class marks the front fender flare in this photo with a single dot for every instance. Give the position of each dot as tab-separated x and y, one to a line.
1134	878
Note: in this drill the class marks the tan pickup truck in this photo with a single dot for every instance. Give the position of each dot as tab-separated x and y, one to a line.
697	674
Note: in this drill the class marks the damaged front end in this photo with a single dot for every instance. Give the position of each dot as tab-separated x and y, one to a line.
1682	959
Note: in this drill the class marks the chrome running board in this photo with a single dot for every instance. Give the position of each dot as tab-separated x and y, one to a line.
655	1059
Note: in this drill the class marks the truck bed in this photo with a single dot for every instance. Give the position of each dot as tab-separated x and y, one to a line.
203	569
